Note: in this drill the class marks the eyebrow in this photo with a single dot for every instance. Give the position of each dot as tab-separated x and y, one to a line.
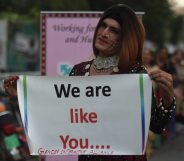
114	27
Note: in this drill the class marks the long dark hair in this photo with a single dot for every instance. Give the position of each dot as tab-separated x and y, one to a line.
132	35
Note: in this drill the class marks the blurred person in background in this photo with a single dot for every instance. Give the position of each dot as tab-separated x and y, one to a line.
177	60
148	59
162	58
169	63
118	44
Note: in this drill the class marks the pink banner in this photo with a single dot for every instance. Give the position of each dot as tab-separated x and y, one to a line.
66	40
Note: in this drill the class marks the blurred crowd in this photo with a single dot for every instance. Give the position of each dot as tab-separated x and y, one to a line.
172	63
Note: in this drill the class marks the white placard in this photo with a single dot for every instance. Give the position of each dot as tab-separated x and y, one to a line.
104	115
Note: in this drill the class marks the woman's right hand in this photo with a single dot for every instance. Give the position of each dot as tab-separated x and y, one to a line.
10	86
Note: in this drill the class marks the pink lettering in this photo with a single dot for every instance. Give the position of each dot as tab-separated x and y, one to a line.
79	116
74	143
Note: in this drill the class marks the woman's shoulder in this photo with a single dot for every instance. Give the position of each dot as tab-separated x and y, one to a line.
83	64
81	68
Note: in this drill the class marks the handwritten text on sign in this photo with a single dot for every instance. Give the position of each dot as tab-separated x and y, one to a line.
95	116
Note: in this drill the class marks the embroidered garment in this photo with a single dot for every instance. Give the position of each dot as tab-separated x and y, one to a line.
159	115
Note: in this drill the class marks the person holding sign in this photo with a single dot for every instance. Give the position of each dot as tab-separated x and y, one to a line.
118	44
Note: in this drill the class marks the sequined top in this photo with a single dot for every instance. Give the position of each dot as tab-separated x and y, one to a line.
159	114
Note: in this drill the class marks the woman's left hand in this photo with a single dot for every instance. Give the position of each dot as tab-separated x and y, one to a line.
164	82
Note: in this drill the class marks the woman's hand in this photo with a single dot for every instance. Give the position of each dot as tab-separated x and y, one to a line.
10	86
164	83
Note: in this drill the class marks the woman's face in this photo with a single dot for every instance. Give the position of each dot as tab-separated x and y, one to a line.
108	38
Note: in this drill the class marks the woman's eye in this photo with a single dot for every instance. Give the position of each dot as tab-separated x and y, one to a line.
116	31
